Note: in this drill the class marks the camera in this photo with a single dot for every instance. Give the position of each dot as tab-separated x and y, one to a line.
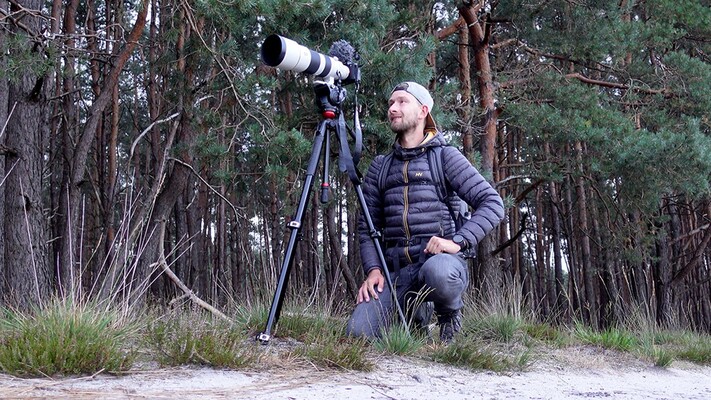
280	52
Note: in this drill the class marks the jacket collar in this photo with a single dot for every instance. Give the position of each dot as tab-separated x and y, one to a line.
430	141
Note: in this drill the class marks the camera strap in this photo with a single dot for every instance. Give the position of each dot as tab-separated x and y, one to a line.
358	148
348	159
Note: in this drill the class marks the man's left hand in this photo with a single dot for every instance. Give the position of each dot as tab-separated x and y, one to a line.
438	245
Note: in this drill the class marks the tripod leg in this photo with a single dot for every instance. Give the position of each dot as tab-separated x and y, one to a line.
295	227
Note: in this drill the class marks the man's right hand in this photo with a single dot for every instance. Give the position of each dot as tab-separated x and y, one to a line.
372	285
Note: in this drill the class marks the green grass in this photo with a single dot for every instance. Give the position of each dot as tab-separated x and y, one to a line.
308	327
611	338
545	333
472	355
661	346
400	342
66	338
194	337
697	350
337	352
661	357
320	341
496	327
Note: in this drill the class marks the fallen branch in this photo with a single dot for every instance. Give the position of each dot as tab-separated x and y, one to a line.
189	293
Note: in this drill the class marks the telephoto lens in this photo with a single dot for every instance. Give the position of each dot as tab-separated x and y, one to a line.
285	54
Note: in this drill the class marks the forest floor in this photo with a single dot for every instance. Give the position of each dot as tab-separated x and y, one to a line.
582	372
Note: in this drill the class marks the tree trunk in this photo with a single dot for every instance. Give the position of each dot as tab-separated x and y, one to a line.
662	279
489	271
574	289
465	79
27	271
541	299
334	242
4	110
588	271
559	279
639	281
71	192
610	309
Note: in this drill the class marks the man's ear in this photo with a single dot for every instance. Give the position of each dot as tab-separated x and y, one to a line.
424	110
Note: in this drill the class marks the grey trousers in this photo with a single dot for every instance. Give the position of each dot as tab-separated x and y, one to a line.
442	279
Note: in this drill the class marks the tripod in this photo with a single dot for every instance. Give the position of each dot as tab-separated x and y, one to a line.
329	99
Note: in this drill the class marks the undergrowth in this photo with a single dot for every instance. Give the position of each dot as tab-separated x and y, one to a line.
70	338
66	338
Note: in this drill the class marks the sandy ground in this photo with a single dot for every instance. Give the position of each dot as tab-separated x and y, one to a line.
578	373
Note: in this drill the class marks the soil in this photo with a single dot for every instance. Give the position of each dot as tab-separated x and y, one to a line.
570	373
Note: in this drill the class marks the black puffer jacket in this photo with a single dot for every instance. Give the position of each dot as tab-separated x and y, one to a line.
409	211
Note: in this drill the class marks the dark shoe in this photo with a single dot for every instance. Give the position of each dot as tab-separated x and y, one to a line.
421	320
449	325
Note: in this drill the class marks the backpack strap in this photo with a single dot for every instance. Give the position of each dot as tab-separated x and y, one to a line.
458	209
383	173
434	159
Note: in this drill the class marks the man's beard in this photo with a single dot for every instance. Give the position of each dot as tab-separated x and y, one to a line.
403	125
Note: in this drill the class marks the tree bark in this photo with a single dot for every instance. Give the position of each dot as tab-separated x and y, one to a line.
336	246
662	280
574	289
588	269
542	300
4	111
556	237
465	80
27	270
489	271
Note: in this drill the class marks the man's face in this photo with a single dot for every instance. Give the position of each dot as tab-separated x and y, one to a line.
404	112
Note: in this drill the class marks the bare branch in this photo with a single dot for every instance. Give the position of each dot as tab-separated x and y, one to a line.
190	167
145	131
163	264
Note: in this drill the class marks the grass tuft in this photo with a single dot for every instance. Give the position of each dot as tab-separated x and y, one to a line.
471	355
545	333
308	327
322	342
611	338
698	350
336	352
497	327
662	357
398	341
65	338
191	337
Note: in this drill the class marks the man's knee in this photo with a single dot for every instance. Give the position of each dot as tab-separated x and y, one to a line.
444	271
355	329
447	278
368	320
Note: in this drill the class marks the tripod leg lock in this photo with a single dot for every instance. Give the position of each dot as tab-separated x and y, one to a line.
294	224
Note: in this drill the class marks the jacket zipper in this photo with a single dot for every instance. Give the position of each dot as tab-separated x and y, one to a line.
406	209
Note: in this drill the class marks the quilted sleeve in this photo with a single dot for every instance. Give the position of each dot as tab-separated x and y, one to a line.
486	203
368	253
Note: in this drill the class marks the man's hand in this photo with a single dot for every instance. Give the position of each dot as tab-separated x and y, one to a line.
438	245
372	285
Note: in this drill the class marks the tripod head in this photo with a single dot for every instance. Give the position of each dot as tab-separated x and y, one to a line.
329	98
